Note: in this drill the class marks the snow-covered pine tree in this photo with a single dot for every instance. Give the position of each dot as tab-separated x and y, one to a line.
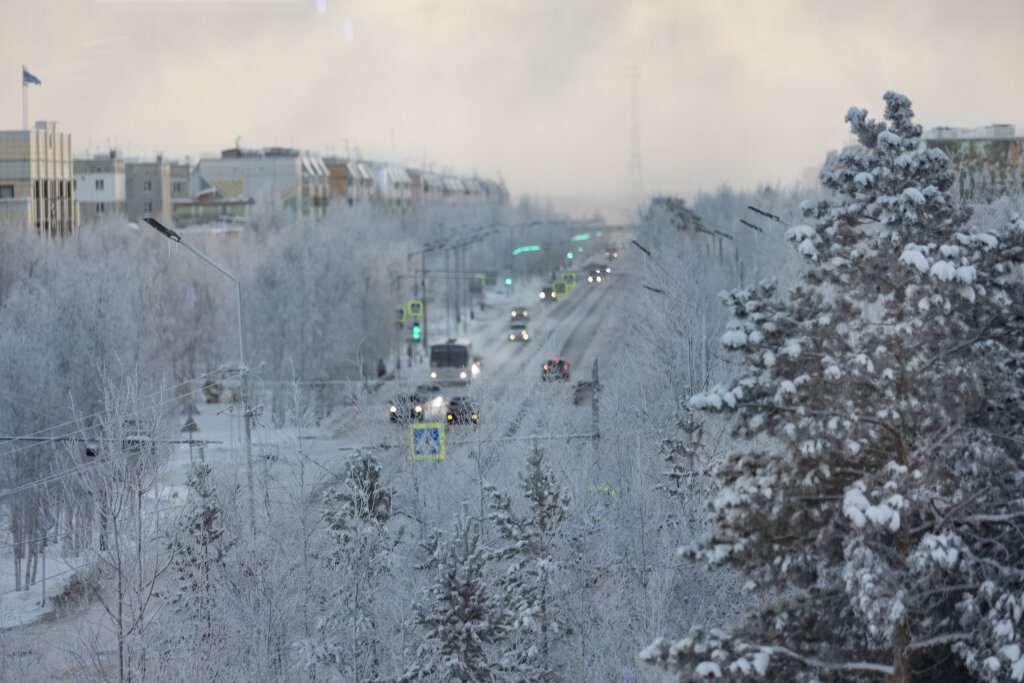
198	548
875	493
347	643
528	587
459	612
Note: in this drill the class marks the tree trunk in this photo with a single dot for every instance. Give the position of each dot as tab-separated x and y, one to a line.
901	669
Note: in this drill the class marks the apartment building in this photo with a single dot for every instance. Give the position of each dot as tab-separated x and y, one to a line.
37	180
148	189
298	180
99	186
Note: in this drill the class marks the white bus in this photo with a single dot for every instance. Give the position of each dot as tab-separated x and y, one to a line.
453	361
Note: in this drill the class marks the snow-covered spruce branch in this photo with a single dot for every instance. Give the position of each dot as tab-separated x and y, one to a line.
928	643
866	667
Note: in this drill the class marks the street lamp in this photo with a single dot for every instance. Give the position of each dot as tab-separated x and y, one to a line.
247	411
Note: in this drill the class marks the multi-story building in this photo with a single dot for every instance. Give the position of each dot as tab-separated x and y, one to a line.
148	189
350	181
987	161
180	177
427	188
298	180
37	180
394	187
100	186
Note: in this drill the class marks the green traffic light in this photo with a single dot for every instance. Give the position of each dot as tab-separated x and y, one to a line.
416	332
569	255
508	281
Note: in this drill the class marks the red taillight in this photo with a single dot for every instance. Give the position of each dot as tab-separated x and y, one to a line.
565	367
555	361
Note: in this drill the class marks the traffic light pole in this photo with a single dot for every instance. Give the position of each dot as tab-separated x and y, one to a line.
423	288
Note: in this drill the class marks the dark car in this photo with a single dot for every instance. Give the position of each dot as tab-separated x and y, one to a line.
405	408
517	332
520	312
554	369
462	410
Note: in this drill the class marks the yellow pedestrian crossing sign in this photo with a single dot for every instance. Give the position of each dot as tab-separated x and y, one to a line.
400	314
415	307
426	441
569	279
559	288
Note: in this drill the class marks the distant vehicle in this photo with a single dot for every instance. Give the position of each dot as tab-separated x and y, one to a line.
452	361
554	369
406	408
462	410
517	332
519	312
611	253
431	396
548	296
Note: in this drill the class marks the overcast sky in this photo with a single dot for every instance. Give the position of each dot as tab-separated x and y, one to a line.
538	91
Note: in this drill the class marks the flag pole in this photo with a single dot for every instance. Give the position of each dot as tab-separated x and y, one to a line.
24	101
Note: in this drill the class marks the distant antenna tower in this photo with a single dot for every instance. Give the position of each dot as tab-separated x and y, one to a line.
636	169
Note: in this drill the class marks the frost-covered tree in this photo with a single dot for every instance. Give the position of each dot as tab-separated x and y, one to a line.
458	611
529	586
198	550
875	493
348	637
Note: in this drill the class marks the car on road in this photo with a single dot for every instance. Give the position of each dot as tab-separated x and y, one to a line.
597	273
462	410
431	396
405	408
548	295
517	332
519	313
555	369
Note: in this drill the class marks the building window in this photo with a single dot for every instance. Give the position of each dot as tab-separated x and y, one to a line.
177	188
148	207
147	186
99	208
6	191
99	184
74	184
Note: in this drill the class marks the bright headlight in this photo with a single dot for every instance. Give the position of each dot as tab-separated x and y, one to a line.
418	409
462	375
394	409
438	401
475	369
511	337
525	336
433	375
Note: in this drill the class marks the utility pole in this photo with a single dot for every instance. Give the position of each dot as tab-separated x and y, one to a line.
595	409
423	288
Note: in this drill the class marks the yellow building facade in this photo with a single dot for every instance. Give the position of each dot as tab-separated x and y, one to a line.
37	180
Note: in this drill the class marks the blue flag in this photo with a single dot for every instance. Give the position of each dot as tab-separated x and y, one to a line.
26	77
